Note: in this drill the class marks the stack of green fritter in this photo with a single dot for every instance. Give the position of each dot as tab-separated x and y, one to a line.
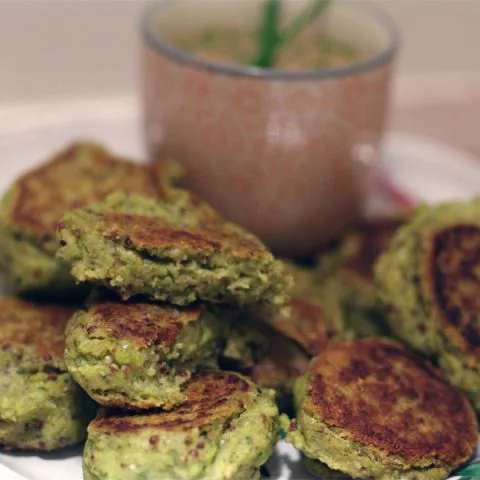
137	352
191	326
170	285
41	407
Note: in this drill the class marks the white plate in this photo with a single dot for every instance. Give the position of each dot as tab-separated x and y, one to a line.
426	170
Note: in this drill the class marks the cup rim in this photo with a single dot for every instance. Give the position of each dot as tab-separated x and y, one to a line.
237	70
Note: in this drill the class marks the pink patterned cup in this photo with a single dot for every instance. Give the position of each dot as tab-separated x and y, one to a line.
288	154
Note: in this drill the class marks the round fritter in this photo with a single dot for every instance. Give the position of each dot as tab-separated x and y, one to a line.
139	355
429	279
171	251
371	408
79	175
226	429
41	408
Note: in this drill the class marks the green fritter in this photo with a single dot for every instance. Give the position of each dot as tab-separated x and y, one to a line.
226	430
304	322
140	355
300	330
278	368
245	340
170	251
348	287
81	174
254	332
429	280
303	319
349	303
41	407
274	344
370	408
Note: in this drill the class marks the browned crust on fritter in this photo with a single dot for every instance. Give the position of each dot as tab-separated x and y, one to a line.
211	396
451	276
42	327
144	324
147	234
41	197
302	321
371	238
384	396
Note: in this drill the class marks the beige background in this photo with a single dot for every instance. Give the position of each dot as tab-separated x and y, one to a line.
64	48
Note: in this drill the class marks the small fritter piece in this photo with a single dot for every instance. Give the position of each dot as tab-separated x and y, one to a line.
140	355
246	340
278	342
226	429
356	406
281	364
429	279
304	322
171	251
348	288
303	318
41	408
79	175
272	345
